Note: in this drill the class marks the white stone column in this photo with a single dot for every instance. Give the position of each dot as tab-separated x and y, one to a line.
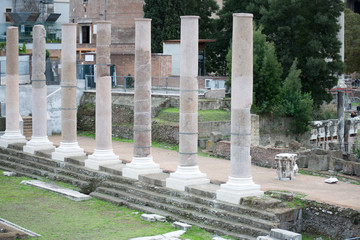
188	172
142	162
240	182
39	139
12	132
69	146
341	37
103	153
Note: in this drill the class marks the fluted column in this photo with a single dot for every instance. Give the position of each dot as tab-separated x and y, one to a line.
240	183
142	162
188	172
69	146
39	139
12	132
103	153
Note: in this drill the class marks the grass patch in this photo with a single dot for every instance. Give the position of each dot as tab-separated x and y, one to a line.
56	217
172	115
308	236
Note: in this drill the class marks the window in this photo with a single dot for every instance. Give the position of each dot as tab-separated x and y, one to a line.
7	10
85	1
85	34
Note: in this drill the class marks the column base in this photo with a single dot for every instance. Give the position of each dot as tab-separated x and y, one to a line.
11	137
67	150
139	166
37	144
237	188
101	157
185	176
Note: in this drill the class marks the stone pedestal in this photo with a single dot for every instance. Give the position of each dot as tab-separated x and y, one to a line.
240	182
103	153
188	172
39	139
286	166
69	146
142	162
12	132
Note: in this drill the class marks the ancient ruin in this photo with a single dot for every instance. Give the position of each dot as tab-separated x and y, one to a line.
103	153
240	182
69	145
12	133
188	172
142	162
39	139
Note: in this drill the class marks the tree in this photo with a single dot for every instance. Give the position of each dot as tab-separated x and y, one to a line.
294	103
155	10
219	49
267	73
307	30
352	41
165	15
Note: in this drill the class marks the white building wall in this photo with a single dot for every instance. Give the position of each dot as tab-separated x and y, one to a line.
62	6
173	49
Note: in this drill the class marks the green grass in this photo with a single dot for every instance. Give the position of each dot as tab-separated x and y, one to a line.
56	217
172	115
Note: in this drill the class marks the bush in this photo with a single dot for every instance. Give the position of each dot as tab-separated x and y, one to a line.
294	103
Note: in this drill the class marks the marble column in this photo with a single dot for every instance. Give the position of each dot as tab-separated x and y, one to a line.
341	37
12	132
188	172
103	153
240	183
340	116
69	146
39	139
142	162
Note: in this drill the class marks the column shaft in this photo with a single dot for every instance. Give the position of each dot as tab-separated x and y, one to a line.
69	146
103	87
142	94
12	132
142	162
103	153
39	139
68	84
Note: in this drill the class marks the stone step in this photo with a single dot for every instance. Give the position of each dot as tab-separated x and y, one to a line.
53	168
79	161
169	216
117	181
184	212
85	187
115	169
178	202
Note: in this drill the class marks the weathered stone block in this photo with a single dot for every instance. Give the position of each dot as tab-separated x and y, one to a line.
333	146
336	154
294	145
335	164
182	226
356	167
318	162
284	234
348	168
319	151
302	161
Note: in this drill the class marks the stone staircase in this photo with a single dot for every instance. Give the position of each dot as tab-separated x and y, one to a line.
196	206
27	121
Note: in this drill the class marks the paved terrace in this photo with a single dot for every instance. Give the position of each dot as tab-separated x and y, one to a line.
218	170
